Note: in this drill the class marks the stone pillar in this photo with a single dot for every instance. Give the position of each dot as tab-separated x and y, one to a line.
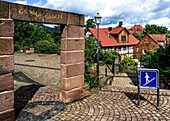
6	70
72	64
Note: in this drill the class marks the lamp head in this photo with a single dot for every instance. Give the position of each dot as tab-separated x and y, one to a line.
98	19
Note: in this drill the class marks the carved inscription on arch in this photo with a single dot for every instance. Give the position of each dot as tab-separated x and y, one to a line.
30	13
40	15
37	14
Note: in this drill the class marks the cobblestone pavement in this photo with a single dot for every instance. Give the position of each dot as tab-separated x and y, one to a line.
38	99
109	105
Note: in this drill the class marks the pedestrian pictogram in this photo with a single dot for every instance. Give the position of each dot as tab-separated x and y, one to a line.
148	79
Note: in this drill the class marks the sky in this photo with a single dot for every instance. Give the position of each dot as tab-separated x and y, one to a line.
131	12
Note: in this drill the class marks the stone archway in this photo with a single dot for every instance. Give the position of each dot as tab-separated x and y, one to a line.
72	52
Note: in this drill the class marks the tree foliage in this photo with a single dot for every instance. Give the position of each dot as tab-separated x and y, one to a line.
37	34
109	56
23	31
90	24
90	59
159	59
90	54
46	47
120	24
151	29
139	36
155	29
90	50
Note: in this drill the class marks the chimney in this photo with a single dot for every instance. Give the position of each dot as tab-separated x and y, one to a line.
109	30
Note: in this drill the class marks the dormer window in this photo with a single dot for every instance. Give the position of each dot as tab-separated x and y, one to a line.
123	37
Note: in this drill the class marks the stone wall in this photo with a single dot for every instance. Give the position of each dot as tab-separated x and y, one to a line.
72	64
6	69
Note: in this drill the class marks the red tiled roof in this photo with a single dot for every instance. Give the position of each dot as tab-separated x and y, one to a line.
116	30
150	37
110	41
132	39
130	31
137	27
158	37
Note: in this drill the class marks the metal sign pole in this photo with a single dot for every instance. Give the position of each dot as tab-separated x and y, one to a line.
138	96
158	95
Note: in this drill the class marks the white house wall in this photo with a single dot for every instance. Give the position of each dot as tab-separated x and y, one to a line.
126	50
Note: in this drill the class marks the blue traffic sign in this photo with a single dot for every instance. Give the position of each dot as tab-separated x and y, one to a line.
148	79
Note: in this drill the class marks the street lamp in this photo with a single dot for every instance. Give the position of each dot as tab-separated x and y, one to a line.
97	21
166	39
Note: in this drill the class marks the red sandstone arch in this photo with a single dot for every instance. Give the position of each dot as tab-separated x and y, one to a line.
72	52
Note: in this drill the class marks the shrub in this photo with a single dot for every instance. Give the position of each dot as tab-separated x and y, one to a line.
90	54
16	47
128	61
46	47
90	78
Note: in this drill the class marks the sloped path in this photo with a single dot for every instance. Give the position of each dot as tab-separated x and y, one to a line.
123	80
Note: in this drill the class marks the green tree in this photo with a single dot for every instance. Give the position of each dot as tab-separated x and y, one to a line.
120	24
109	56
155	29
23	31
159	59
39	33
90	59
90	24
29	33
139	36
90	50
56	34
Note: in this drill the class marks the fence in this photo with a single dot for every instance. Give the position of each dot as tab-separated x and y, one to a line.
132	73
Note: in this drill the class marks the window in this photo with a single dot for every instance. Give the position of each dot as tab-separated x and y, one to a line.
124	48
123	38
137	49
144	51
119	48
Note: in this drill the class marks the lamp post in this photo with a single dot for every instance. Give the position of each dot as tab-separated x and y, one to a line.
166	39
97	21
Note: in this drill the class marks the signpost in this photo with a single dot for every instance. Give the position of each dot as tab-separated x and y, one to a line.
148	78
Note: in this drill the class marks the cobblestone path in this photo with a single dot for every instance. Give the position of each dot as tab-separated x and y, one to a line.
123	80
36	98
109	105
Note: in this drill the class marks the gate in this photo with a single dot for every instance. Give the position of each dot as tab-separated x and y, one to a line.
126	76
